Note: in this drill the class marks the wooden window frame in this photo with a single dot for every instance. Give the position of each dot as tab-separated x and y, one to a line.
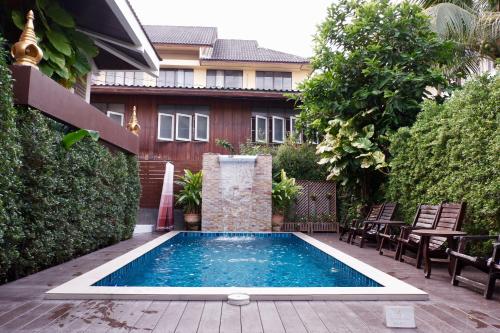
160	114
196	115
274	118
257	117
296	136
116	114
177	116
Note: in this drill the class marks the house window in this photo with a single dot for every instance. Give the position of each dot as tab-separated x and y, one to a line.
297	136
116	116
201	127
260	129
224	79
115	78
273	80
175	78
278	129
183	127
165	127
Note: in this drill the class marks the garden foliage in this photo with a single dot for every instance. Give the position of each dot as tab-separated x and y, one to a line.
56	204
452	153
66	51
373	62
298	160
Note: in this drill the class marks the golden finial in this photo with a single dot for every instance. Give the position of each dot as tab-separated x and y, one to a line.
26	51
133	125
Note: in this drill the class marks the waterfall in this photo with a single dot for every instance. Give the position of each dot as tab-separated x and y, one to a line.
237	174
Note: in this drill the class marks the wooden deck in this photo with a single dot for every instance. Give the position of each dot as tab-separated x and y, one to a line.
450	309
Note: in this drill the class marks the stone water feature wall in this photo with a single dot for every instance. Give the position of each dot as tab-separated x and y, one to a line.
237	193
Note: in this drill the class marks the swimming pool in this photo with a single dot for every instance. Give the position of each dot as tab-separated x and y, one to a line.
236	260
208	265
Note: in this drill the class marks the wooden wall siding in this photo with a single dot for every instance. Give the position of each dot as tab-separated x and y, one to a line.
230	119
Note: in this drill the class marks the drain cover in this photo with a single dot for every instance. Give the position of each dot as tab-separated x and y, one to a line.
238	299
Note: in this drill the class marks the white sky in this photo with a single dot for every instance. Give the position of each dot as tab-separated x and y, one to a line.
283	25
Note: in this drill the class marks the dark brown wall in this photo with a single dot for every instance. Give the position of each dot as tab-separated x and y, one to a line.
230	119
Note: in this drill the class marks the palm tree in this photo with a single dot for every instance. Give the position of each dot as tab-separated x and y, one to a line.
473	24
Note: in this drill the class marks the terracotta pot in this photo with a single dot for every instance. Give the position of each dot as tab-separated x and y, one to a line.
192	221
277	221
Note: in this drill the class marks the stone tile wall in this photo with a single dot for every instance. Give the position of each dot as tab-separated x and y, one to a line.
242	208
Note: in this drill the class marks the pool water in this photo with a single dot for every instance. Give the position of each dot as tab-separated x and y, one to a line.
196	259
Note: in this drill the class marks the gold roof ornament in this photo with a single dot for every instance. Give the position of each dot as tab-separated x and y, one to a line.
26	51
133	125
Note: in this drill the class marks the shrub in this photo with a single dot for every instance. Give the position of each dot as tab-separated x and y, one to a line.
56	204
452	153
71	202
10	222
299	161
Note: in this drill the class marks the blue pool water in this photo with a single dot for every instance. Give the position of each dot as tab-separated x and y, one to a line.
236	260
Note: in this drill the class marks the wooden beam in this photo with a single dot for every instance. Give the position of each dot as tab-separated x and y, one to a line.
33	88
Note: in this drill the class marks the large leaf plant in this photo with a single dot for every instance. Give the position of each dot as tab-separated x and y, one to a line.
189	197
284	192
66	51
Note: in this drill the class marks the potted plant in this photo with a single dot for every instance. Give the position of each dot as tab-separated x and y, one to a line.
283	193
189	197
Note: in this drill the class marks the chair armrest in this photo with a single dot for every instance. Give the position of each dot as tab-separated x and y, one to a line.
463	240
463	256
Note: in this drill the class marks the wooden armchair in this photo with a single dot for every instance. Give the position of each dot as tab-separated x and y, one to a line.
425	218
449	217
366	229
490	265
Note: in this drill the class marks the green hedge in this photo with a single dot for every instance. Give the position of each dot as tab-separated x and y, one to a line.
58	204
452	153
10	221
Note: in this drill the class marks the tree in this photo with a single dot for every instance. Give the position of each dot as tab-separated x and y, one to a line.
473	24
373	62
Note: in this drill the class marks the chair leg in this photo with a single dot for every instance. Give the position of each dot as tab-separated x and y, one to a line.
349	236
490	287
381	246
402	252
418	263
362	240
457	270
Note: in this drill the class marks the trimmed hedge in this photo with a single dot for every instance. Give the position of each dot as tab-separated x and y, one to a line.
60	204
10	221
452	153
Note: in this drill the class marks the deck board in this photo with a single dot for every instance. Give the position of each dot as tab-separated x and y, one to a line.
290	318
171	317
270	318
309	317
210	319
450	309
250	319
230	320
191	317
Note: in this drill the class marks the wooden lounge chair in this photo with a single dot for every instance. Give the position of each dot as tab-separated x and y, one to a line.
425	218
449	217
488	265
364	230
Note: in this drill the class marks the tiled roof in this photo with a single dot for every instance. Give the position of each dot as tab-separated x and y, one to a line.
223	49
166	34
101	84
249	50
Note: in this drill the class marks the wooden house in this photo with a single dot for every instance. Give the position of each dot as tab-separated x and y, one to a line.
207	89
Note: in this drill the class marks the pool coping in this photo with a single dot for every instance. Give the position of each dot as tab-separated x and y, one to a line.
82	287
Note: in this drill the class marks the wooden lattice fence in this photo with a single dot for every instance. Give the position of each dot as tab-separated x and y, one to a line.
315	208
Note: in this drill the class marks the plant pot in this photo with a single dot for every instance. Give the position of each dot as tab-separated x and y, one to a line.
277	221
192	221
